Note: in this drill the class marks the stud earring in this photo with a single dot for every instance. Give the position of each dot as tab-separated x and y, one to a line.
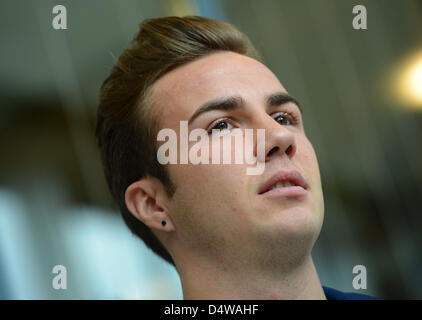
163	222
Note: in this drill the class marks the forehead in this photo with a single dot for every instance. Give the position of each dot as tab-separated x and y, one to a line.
180	92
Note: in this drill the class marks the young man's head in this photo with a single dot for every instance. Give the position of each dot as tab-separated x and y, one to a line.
208	213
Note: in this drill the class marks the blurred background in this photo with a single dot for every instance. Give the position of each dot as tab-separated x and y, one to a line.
361	91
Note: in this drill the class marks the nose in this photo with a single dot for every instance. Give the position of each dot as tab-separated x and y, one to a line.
279	141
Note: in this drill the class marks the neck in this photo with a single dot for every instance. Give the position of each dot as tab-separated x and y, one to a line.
206	281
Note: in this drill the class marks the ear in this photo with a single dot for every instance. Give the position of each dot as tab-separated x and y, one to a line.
147	200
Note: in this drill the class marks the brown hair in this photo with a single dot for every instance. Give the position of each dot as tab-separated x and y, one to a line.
126	124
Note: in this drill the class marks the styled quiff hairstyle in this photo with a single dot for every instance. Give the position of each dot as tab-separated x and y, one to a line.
127	124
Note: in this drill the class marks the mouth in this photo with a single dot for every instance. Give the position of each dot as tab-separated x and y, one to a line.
285	183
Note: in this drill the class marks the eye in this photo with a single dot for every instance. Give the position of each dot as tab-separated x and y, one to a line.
285	119
221	125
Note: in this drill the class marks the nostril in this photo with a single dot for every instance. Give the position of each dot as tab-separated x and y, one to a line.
289	150
273	150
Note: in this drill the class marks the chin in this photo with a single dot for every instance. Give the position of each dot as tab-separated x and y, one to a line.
297	224
290	237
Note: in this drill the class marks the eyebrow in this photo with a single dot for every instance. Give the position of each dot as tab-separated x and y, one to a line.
236	102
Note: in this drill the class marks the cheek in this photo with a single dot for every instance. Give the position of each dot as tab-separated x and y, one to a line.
207	187
205	206
310	166
307	160
209	191
306	156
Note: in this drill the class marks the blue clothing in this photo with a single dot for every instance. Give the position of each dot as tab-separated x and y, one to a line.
333	294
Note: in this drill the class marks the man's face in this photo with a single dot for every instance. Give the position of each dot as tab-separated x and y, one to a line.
218	210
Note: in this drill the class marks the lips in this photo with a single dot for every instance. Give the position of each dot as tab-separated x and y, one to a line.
285	182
